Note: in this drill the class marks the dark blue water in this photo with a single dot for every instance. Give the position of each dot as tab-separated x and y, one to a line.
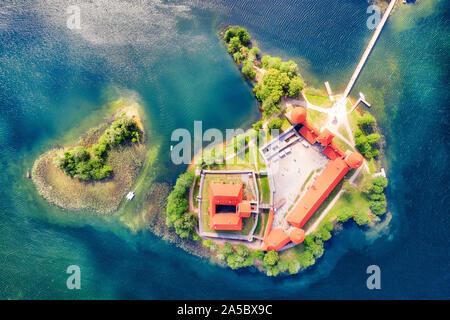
168	57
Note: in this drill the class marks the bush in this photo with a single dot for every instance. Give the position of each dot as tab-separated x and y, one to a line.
238	57
90	164
295	86
283	265
275	123
177	202
271	258
230	33
294	267
225	251
365	120
258	254
248	71
257	126
361	218
324	234
234	45
185	225
344	214
290	67
314	245
306	259
244	36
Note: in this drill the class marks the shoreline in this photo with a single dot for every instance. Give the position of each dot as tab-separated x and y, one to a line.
296	258
98	196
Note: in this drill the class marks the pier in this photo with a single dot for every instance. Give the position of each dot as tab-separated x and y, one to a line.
368	50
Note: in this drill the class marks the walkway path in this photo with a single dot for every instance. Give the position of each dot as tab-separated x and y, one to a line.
368	50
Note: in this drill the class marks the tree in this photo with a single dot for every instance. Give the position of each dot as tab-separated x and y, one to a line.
283	265
306	259
275	123
234	45
271	258
378	207
290	67
314	245
270	107
257	126
294	267
244	36
235	261
238	57
372	138
255	51
365	120
361	218
259	254
225	251
269	62
230	33
247	70
295	86
185	225
242	250
345	214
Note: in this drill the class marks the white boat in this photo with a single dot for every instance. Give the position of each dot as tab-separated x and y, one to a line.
130	195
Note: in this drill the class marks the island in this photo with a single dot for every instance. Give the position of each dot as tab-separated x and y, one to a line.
96	172
272	196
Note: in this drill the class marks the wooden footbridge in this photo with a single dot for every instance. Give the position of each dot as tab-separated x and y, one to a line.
368	50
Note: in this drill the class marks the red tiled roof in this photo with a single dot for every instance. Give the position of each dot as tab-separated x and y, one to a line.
318	192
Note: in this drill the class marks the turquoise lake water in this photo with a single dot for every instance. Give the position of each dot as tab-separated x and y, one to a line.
169	57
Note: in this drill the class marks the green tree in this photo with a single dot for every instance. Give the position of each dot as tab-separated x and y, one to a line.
234	45
361	217
306	259
294	267
283	265
185	225
345	214
230	33
271	258
295	86
378	207
225	251
238	57
365	120
372	138
275	123
244	36
259	254
289	67
257	126
247	70
242	250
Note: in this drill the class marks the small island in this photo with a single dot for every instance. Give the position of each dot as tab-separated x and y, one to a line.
95	173
272	201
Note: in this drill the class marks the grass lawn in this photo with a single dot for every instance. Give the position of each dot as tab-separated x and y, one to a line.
319	100
343	131
285	125
319	119
264	189
342	144
260	227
